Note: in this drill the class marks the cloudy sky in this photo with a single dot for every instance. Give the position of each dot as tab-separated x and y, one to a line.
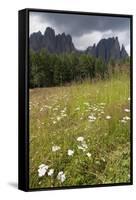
84	29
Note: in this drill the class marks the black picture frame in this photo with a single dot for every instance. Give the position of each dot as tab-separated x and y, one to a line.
23	123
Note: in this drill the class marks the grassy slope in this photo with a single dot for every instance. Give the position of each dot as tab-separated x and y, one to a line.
108	140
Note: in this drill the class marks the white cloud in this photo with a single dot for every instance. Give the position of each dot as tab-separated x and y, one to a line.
94	37
36	25
86	40
124	38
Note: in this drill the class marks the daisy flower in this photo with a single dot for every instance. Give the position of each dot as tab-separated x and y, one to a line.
55	148
70	152
123	121
84	145
108	117
91	118
58	118
50	172
89	155
42	170
126	118
81	148
127	110
80	139
61	176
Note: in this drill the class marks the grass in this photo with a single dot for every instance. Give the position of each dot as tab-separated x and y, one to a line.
59	115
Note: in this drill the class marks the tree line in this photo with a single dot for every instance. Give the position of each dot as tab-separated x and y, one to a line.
47	69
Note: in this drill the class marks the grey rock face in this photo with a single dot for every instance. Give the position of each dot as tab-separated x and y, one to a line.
91	50
49	40
53	43
108	49
123	53
35	41
64	43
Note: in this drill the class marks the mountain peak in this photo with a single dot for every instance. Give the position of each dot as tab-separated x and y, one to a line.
122	48
106	48
49	30
53	43
123	53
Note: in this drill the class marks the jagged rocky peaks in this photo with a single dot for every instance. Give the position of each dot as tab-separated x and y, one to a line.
53	43
64	43
61	43
35	41
123	53
107	49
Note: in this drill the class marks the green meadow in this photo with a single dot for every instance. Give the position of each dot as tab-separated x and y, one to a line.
80	133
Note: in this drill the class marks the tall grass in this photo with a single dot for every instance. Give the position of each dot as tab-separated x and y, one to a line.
98	112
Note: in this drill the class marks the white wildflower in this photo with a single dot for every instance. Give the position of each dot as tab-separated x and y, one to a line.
123	121
50	172
42	170
61	176
127	110
84	145
64	115
91	118
58	118
54	122
89	154
128	98
55	148
97	162
126	118
70	152
43	165
81	147
80	139
63	111
108	117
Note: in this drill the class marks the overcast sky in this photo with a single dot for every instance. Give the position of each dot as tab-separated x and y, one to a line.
84	29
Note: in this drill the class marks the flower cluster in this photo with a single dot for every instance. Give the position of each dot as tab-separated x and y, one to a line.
61	176
42	170
82	145
55	148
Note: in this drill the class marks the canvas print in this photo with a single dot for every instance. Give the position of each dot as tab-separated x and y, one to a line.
79	100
